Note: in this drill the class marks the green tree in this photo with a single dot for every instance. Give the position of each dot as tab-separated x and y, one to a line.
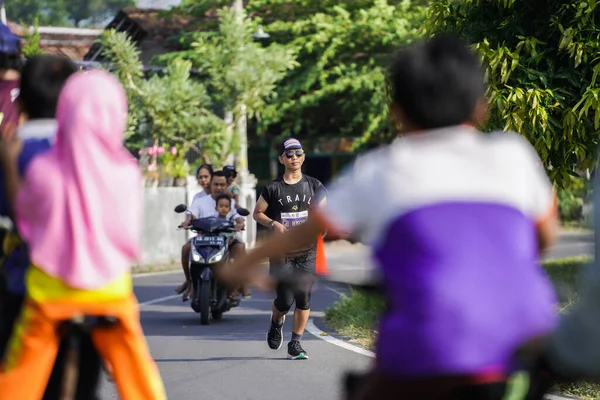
31	47
543	62
241	74
343	48
63	12
170	107
49	12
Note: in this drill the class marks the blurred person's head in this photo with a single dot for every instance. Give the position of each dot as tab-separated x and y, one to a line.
218	183
291	154
10	54
437	83
203	175
42	79
231	173
223	205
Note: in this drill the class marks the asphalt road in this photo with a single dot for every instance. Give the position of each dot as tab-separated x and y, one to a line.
230	358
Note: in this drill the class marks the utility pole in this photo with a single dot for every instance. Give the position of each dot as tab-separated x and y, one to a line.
246	180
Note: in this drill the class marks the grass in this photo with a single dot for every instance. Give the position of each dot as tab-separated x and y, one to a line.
355	315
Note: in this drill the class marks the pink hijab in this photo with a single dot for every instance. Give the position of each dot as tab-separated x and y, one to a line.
80	204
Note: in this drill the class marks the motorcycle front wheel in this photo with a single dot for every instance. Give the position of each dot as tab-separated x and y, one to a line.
204	297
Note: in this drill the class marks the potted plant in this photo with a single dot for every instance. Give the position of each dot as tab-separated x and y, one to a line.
176	166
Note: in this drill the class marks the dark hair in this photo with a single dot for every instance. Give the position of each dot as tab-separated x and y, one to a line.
42	80
437	83
207	167
221	197
217	174
11	61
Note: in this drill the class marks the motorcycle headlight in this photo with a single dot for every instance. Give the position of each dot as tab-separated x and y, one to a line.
217	257
195	256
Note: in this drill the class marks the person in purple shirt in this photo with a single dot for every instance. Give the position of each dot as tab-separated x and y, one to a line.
456	221
41	81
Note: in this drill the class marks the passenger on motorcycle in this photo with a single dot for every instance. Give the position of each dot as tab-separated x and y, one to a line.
203	208
203	176
456	229
225	213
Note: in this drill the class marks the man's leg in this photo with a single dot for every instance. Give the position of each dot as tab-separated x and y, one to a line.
305	267
281	306
302	295
185	258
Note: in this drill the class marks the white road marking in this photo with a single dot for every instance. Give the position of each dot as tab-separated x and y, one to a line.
147	274
160	300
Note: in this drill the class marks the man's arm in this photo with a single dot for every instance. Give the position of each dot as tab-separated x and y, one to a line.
273	247
9	154
260	216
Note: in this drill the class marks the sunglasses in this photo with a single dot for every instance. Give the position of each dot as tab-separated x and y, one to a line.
297	153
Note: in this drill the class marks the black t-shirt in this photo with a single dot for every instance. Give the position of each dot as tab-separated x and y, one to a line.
290	204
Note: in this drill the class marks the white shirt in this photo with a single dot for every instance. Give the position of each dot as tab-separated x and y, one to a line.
38	129
199	195
206	206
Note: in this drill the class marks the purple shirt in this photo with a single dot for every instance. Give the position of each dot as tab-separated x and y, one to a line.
450	216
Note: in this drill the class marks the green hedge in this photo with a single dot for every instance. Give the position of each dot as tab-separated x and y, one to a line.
356	314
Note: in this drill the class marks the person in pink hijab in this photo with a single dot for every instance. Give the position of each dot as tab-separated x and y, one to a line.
78	207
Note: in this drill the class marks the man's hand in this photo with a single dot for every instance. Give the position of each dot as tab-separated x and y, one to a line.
279	227
239	226
185	224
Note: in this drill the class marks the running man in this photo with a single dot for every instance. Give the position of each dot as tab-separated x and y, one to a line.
284	203
456	221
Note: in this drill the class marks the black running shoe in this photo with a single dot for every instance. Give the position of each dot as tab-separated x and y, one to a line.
275	335
296	352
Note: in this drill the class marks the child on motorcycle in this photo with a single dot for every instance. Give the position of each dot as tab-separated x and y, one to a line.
78	208
224	212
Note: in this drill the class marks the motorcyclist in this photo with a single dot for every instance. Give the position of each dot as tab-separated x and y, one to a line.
207	207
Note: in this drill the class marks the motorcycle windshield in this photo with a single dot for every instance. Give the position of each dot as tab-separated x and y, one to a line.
211	225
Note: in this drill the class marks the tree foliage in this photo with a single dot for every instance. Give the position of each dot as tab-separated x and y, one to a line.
31	47
170	107
343	49
240	73
63	12
543	65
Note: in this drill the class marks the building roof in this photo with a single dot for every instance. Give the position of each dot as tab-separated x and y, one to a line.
149	29
73	43
158	4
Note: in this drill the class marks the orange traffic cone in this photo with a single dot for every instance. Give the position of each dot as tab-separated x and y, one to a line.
321	258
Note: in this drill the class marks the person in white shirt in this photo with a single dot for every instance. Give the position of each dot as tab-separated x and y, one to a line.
203	175
204	207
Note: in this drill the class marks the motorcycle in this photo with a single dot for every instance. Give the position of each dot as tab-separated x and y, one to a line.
209	250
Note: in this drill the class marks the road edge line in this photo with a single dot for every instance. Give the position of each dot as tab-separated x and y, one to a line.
313	330
145	274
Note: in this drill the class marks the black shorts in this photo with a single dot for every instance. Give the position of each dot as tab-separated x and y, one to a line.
289	291
304	263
